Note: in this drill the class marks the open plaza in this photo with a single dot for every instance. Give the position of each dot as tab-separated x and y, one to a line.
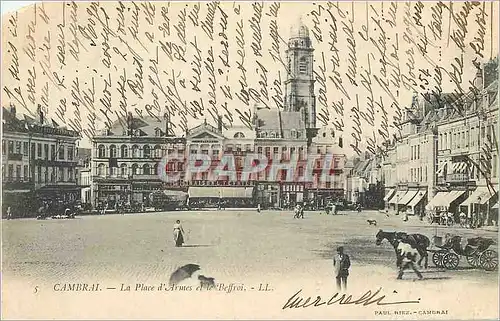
263	258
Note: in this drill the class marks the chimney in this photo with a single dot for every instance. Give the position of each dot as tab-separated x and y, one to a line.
167	123
13	110
40	114
219	123
479	79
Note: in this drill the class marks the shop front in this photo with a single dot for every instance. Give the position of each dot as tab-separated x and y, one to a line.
479	206
291	195
220	197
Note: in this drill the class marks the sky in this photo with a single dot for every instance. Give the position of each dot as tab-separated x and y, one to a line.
8	6
355	97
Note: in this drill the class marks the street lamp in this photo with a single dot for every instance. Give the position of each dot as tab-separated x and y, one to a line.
397	204
478	210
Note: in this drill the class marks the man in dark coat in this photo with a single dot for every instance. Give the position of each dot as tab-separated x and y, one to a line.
341	265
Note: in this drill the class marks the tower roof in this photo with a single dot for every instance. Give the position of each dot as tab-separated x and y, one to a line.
299	30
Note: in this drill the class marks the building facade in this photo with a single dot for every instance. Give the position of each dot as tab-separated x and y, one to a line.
447	156
125	160
84	175
38	163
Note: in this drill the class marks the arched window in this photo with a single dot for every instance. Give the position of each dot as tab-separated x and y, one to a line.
293	133
239	135
272	135
123	170
155	170
157	151
303	65
146	169
135	151
146	151
124	151
101	170
112	151
101	151
134	169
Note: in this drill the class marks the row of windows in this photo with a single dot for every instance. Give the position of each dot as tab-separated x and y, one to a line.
418	174
281	175
465	138
415	152
134	151
124	170
273	134
47	151
43	174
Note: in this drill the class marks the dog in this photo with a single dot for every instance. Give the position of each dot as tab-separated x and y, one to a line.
372	222
206	282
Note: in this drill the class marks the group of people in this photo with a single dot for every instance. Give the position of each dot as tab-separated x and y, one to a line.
447	218
57	210
299	211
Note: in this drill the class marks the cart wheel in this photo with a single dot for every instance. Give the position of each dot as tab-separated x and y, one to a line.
437	258
473	260
489	260
450	261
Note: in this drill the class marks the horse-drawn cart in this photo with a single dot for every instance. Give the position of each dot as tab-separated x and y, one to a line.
476	252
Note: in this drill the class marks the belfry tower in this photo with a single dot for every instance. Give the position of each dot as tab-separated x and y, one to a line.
299	84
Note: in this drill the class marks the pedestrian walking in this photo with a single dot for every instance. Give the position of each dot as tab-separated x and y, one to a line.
405	217
178	234
9	213
407	259
258	208
341	265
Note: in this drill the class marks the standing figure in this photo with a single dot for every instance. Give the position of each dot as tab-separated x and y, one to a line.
405	217
178	234
301	211
258	208
296	212
9	213
407	256
341	265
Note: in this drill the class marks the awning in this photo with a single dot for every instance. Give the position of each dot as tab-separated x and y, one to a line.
174	193
437	199
452	196
388	195
236	192
220	192
459	168
480	196
420	195
397	197
441	169
204	192
407	197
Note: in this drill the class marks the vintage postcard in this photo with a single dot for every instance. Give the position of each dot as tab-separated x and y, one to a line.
250	160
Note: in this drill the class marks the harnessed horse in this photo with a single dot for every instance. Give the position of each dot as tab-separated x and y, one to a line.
418	241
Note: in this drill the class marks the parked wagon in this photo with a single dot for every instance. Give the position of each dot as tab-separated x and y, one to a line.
476	252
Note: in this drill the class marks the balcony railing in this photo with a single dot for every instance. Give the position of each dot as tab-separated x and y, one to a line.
16	156
458	177
56	163
444	152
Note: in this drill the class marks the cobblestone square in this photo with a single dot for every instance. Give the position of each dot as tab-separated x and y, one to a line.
235	247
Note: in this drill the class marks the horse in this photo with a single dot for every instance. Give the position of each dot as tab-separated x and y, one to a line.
418	241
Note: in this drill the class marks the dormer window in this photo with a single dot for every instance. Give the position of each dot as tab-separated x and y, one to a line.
239	135
158	132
